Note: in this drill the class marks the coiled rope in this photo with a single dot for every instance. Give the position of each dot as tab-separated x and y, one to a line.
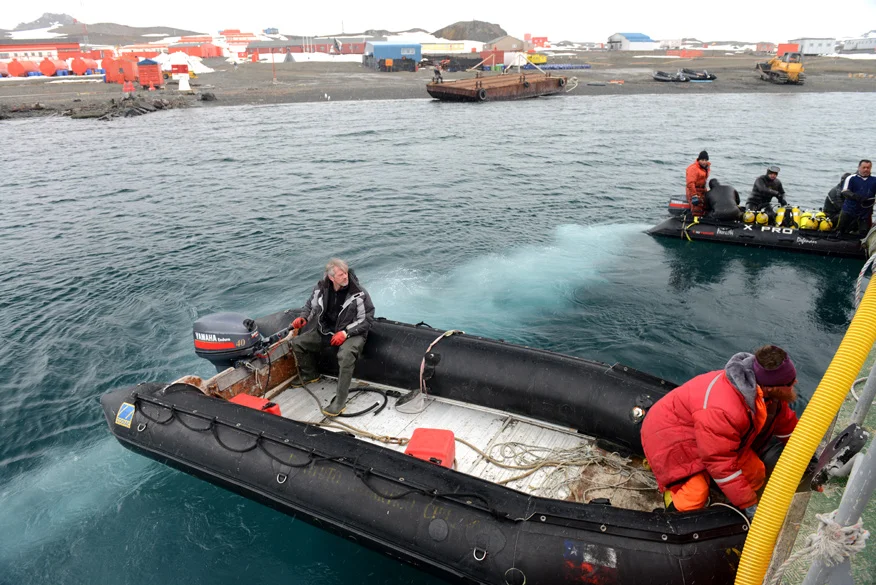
831	543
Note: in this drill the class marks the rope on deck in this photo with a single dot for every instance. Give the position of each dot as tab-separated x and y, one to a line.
831	543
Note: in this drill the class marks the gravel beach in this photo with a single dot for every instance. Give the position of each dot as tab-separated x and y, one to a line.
253	83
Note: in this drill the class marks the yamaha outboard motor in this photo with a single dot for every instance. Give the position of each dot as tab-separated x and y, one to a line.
225	338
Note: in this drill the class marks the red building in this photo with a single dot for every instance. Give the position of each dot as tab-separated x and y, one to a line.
202	50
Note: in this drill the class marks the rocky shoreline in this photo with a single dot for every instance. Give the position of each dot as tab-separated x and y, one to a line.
260	83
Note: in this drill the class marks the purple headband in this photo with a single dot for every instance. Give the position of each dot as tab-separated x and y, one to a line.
784	375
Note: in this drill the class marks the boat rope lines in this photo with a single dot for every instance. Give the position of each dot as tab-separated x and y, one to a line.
684	228
261	440
831	543
573	83
860	282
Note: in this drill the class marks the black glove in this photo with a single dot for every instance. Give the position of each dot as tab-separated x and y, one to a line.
783	202
851	195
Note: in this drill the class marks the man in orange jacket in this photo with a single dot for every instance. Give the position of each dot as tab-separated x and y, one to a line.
695	183
712	428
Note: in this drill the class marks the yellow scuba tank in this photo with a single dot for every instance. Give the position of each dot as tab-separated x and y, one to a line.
780	215
795	216
825	225
762	218
748	216
808	221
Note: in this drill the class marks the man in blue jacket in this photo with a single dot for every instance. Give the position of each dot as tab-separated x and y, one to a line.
859	192
339	313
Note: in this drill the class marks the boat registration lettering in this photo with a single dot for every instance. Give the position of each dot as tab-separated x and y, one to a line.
125	415
776	230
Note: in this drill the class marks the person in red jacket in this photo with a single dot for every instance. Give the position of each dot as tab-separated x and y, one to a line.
711	429
695	183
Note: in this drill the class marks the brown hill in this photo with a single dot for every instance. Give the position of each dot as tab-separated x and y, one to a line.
472	30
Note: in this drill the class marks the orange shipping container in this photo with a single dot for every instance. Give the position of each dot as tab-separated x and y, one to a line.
787	48
50	67
150	74
22	68
80	65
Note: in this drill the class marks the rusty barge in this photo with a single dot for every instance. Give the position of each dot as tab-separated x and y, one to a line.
508	86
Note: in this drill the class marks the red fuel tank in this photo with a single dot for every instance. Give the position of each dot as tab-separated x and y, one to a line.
21	68
49	67
437	446
81	65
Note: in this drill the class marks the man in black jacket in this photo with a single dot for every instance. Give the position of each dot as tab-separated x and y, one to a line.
765	188
339	312
722	201
833	204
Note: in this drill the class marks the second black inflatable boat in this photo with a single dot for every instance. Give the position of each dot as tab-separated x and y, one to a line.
431	472
827	243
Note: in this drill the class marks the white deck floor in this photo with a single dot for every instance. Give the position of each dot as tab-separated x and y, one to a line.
490	431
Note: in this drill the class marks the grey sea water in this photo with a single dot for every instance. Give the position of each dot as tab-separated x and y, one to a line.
521	221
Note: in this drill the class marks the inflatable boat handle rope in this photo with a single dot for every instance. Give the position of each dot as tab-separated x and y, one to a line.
684	228
831	542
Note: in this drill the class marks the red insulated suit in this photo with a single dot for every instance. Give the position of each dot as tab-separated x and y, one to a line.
708	424
695	184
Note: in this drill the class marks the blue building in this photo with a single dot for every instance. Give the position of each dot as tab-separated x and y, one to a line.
387	50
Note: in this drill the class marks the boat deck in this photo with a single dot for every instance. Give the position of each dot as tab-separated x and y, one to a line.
546	460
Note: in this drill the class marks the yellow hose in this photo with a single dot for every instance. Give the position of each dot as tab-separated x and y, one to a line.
813	425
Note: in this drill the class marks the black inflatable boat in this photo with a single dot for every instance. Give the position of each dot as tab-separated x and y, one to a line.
695	75
451	511
664	76
812	241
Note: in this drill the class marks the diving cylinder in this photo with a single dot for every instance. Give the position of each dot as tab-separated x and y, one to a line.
780	215
748	216
795	216
808	221
762	218
824	223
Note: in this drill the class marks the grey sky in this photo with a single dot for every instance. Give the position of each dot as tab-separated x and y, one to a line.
577	20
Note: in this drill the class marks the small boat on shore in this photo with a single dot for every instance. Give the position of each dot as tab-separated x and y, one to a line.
664	76
475	459
506	86
694	75
811	241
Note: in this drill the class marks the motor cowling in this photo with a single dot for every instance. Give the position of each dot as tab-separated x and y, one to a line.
224	338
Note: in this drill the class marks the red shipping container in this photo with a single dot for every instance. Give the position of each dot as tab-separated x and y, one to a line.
256	403
787	48
436	446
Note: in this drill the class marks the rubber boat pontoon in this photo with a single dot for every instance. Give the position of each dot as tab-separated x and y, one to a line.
811	241
478	460
664	76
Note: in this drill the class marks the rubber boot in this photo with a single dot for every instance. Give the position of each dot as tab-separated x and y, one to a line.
338	404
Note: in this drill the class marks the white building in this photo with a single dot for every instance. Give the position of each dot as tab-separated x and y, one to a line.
864	43
816	46
631	42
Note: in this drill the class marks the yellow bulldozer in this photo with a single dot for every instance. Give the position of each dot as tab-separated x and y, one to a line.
785	69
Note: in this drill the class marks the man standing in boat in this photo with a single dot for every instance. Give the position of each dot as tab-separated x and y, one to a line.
339	313
859	193
696	175
765	188
713	428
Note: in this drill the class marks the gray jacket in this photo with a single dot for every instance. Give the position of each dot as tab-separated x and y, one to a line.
357	312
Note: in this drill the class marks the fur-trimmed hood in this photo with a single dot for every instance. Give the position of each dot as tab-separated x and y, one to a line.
740	373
